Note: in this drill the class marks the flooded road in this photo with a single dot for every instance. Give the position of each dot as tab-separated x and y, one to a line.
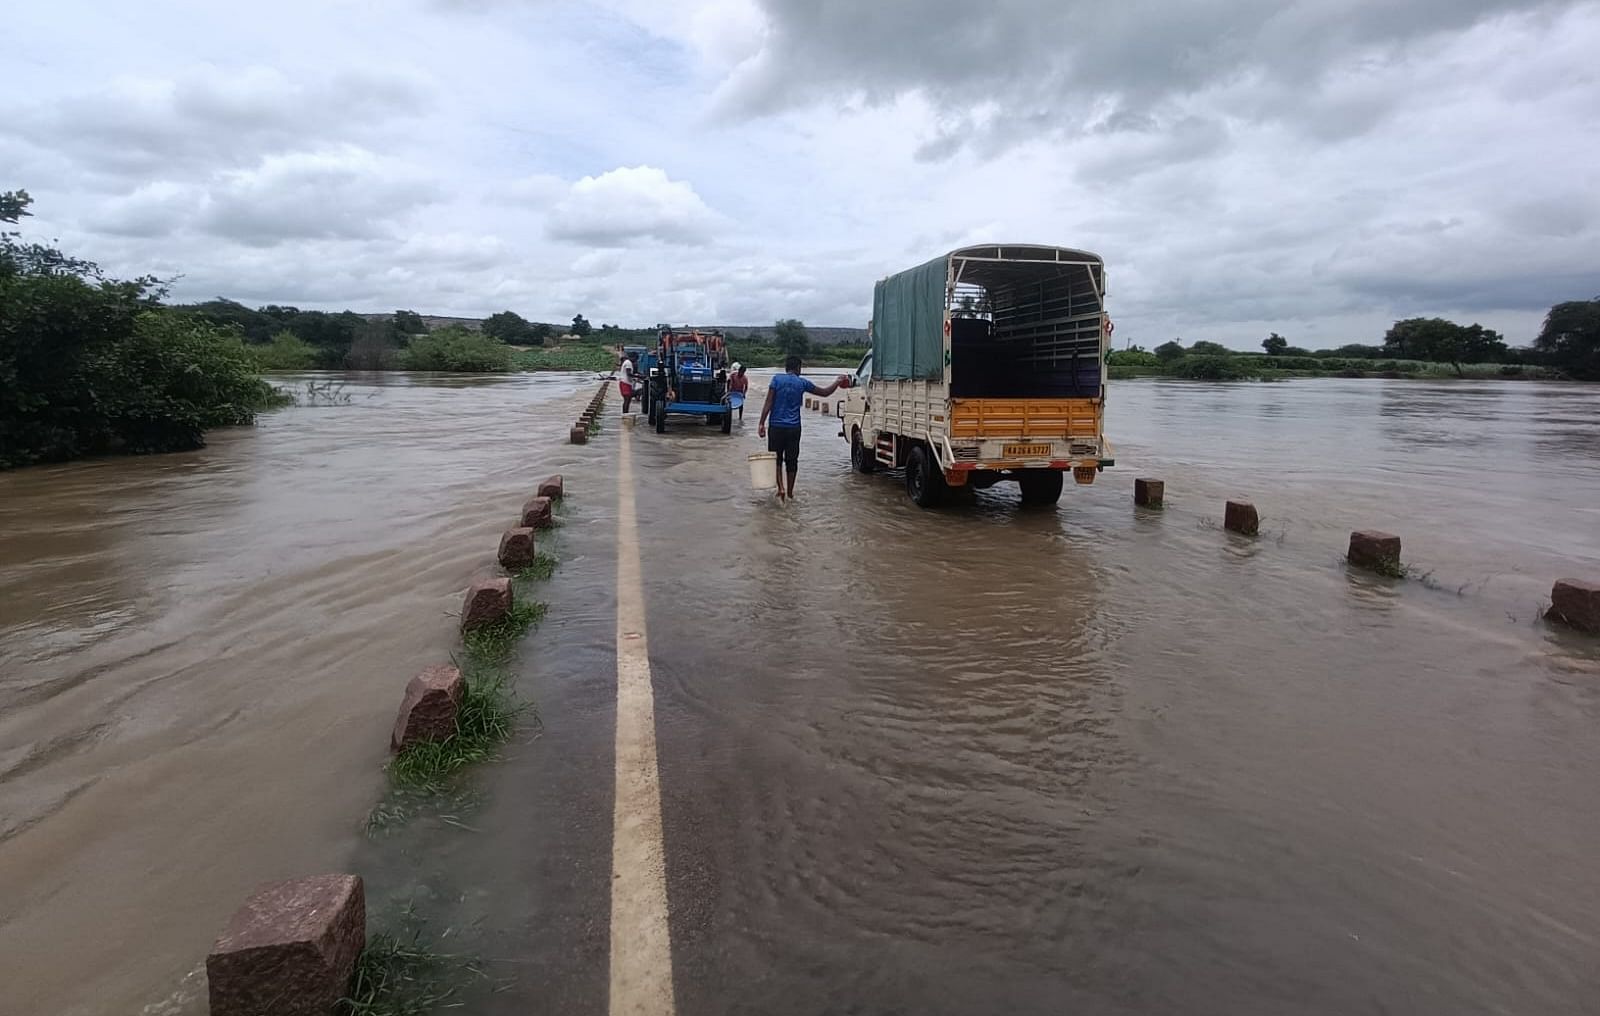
1095	759
200	658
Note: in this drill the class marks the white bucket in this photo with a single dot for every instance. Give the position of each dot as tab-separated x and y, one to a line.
764	471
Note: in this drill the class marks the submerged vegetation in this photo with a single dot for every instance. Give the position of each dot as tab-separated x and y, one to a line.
405	974
488	713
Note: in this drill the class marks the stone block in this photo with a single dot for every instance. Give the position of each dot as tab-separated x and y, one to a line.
1241	517
517	548
428	711
488	600
1150	493
553	487
579	434
1371	549
1576	604
538	514
290	950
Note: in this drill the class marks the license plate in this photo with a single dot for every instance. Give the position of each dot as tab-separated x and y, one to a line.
1025	451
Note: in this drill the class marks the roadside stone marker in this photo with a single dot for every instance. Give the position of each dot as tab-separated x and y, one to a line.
1576	604
1374	550
290	949
1241	517
488	600
579	434
517	549
1149	493
553	487
428	711
537	513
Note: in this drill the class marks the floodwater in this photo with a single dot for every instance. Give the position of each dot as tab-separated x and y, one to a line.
201	654
1100	759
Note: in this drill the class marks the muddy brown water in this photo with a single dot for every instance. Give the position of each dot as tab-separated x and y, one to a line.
975	760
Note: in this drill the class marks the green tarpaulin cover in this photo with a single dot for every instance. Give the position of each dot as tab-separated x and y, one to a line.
908	323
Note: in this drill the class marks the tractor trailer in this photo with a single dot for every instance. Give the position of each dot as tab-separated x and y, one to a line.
987	364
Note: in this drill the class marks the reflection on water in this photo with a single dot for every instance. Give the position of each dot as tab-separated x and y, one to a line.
199	654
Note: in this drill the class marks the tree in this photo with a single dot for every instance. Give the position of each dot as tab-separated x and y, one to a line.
1570	338
507	326
1169	351
1203	348
409	322
91	365
14	205
1439	341
580	326
541	331
1274	344
792	337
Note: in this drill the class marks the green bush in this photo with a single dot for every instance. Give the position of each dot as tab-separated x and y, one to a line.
1213	368
1132	358
90	365
571	357
170	381
456	349
286	351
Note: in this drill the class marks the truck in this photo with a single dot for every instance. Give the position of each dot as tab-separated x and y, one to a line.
987	364
687	374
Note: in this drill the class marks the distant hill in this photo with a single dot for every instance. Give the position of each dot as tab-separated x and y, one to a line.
821	335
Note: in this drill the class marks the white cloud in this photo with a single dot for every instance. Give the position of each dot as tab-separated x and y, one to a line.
343	192
629	205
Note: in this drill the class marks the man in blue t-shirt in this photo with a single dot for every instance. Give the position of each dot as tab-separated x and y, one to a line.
788	391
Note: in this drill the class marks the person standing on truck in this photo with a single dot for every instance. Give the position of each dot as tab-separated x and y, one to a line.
625	382
738	384
783	403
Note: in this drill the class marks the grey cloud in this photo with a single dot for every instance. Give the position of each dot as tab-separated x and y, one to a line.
1056	58
209	117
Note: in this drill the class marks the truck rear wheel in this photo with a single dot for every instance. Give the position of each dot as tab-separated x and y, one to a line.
661	417
924	482
727	422
1040	486
862	458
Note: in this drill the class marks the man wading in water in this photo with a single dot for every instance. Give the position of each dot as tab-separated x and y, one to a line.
788	391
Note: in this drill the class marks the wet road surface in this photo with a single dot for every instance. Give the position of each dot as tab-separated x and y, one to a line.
1096	759
1099	759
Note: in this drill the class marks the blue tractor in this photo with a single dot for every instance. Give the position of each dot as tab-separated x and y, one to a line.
688	376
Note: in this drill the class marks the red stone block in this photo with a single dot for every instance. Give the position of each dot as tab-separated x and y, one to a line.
1150	493
290	950
428	712
488	600
1577	604
537	513
579	434
1370	548
553	487
517	548
1241	517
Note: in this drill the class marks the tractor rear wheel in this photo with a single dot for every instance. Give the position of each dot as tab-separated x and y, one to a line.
727	422
661	417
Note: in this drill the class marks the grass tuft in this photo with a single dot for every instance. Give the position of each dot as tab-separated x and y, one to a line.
492	644
543	566
488	711
405	975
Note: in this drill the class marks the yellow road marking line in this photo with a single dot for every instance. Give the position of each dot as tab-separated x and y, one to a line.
641	944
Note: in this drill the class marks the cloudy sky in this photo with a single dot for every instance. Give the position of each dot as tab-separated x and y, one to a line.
1312	167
